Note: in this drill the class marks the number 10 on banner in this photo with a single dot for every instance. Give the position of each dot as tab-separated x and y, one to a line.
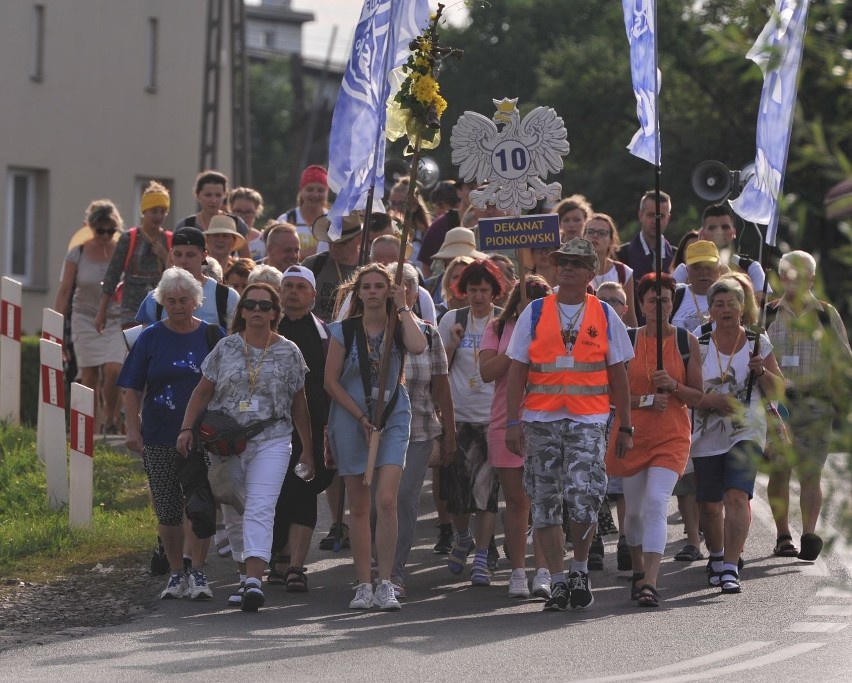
510	159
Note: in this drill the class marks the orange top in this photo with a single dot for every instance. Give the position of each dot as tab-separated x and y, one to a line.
577	380
661	438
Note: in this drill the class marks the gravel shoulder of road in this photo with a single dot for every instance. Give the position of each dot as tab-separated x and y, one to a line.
76	604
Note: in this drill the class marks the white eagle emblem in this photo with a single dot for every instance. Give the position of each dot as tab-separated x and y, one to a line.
513	160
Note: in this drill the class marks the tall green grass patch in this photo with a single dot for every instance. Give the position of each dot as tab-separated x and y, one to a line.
37	543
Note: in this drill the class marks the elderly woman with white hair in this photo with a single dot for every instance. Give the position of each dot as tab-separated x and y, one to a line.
265	273
729	429
160	374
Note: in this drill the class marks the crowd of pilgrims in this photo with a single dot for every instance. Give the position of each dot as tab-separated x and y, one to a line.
596	384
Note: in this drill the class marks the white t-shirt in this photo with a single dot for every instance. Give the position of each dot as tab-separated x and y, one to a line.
472	397
619	350
305	231
612	276
687	316
712	433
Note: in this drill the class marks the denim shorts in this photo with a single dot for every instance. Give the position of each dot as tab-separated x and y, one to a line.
736	469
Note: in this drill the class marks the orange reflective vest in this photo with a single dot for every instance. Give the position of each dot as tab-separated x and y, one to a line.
577	382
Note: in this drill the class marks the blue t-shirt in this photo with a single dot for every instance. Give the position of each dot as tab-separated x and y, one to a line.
166	365
147	312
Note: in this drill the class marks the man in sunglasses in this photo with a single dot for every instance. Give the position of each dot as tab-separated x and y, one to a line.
189	249
568	355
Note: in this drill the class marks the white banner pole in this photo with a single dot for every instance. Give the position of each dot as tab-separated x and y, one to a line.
82	455
52	329
10	350
53	416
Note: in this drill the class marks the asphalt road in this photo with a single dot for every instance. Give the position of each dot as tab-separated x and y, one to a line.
790	622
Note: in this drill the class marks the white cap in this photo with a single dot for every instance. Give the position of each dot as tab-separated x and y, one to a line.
300	271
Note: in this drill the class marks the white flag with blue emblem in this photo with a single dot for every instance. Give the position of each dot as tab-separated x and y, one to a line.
357	141
778	53
640	21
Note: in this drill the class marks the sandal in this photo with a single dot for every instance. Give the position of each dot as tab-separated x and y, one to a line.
811	547
634	589
457	558
275	577
729	580
689	553
296	580
784	546
648	596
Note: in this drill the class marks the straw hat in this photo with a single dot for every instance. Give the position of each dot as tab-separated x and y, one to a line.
225	225
351	227
459	242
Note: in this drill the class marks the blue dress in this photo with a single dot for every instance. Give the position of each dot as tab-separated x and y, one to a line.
345	434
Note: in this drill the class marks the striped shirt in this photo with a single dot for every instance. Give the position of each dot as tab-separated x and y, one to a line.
798	342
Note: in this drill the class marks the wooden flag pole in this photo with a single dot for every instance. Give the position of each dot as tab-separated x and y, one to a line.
390	329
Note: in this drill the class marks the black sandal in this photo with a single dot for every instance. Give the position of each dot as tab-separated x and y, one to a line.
634	589
296	580
784	546
276	577
648	596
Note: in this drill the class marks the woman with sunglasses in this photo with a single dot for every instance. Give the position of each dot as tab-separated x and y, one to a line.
255	375
98	350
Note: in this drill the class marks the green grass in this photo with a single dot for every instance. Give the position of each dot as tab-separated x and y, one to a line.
37	544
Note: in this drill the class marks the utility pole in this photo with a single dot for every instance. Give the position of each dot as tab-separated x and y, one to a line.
240	133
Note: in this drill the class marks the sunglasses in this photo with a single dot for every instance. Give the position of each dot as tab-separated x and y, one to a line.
106	231
251	304
613	301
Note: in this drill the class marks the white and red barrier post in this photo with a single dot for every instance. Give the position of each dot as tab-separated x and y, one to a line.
53	423
10	350
52	329
82	455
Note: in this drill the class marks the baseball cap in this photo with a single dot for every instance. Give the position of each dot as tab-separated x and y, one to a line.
189	237
300	271
578	248
701	251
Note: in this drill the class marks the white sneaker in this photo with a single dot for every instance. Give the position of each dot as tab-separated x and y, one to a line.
518	584
541	584
198	588
363	597
385	599
176	588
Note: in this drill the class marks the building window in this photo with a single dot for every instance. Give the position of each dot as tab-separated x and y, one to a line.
153	47
269	40
26	220
37	73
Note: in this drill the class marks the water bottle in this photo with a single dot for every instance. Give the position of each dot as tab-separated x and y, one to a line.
302	471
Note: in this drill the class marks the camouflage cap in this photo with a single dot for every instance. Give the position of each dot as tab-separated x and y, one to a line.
577	248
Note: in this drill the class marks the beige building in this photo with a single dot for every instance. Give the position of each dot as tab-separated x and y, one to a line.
99	96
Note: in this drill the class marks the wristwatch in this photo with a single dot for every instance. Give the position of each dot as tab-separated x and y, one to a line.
627	430
404	309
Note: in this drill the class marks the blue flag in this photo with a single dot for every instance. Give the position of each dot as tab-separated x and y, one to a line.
640	21
778	53
357	144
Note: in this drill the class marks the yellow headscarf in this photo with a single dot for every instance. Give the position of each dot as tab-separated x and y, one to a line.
151	200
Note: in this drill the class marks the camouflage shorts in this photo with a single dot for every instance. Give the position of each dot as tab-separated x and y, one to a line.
564	463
